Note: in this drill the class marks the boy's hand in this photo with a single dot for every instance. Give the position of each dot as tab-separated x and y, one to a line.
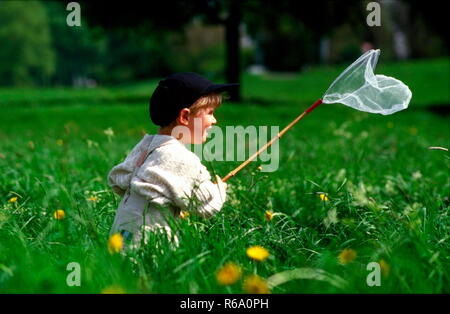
222	188
220	182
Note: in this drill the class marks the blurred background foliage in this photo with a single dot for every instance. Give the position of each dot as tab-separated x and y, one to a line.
27	54
117	44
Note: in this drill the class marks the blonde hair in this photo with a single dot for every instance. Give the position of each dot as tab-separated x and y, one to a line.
213	100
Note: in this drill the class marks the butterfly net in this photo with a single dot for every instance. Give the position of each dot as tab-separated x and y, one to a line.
359	88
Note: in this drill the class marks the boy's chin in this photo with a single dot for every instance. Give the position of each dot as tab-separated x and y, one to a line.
204	138
199	139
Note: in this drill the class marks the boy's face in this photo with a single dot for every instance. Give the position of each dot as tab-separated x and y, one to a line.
200	123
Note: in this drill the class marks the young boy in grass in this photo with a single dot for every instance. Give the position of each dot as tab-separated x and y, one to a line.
160	177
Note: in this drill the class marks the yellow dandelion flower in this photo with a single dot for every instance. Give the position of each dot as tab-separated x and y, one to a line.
114	289
385	268
255	285
92	198
347	256
260	168
115	243
268	215
257	253
228	274
184	214
12	199
323	197
59	142
59	214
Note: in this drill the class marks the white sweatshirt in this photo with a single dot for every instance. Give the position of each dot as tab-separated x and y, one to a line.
170	178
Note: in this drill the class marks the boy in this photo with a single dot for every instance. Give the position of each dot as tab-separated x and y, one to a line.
161	177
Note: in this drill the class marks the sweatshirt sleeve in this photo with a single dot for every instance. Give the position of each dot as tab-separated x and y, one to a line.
118	178
120	175
175	175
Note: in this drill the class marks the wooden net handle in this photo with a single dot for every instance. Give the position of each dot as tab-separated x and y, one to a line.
279	135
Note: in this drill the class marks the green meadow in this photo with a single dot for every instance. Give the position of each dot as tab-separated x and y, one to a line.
351	188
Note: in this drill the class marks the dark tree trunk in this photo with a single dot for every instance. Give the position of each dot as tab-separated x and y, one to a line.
232	47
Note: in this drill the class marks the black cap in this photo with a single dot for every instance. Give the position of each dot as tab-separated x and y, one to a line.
178	91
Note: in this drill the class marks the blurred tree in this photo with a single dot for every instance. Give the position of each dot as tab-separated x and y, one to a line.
427	28
232	23
26	54
203	50
80	51
172	16
290	32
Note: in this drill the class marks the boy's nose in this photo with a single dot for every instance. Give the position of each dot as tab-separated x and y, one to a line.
213	121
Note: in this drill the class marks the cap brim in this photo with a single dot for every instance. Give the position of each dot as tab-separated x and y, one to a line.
218	88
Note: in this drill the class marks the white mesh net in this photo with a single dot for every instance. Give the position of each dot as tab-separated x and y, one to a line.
359	88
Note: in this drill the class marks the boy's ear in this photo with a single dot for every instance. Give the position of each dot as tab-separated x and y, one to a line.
183	116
